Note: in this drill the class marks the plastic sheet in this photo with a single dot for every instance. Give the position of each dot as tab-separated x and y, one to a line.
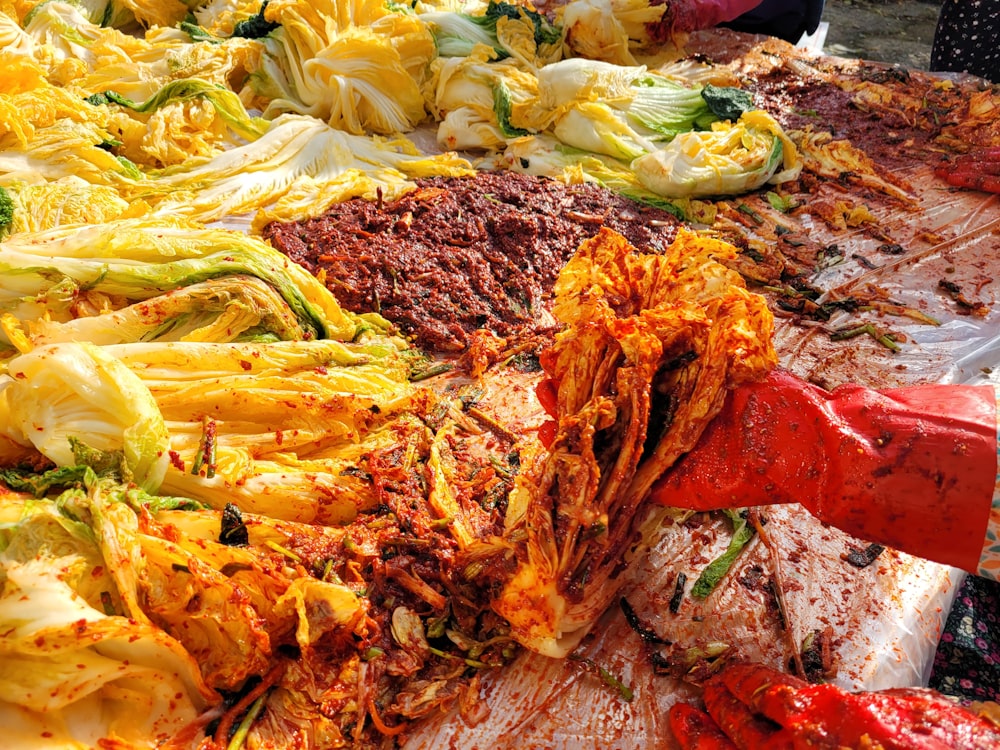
885	620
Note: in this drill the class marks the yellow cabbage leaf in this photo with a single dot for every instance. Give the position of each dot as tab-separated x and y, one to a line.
356	66
67	200
71	675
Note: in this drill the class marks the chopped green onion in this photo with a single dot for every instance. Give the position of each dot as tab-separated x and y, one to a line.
717	569
286	552
240	735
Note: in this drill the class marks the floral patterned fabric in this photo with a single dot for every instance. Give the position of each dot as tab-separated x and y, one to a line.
967	38
967	663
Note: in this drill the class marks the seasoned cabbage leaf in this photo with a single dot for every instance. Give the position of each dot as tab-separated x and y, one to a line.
644	335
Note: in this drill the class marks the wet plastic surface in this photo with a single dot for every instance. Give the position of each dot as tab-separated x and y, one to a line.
885	620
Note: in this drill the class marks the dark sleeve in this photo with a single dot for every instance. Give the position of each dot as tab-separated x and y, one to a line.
785	19
967	39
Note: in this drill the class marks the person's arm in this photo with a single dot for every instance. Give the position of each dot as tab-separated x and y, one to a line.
913	468
691	15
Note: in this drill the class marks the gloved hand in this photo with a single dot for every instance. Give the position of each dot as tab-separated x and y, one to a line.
752	705
912	468
976	170
691	15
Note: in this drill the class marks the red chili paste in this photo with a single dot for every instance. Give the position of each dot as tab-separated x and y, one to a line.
459	254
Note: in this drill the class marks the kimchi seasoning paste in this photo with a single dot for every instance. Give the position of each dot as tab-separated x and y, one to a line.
886	112
461	254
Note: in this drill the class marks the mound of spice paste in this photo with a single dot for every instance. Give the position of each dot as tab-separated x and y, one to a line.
461	254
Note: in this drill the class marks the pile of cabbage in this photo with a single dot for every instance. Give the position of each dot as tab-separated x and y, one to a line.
188	429
277	110
157	375
167	382
189	432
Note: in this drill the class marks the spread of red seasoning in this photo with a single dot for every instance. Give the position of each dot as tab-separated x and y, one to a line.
460	254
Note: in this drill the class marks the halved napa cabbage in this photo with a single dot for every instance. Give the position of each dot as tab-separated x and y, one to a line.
356	66
75	270
546	156
508	30
67	200
611	30
230	308
55	395
730	159
593	31
298	168
620	111
577	79
576	507
71	675
274	427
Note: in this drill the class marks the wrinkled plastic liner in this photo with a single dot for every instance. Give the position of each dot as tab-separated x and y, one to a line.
885	619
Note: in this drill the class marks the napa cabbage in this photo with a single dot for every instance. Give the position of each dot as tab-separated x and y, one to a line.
184	120
593	32
623	111
468	128
614	31
138	67
158	581
356	66
57	396
122	614
601	129
546	156
23	75
119	13
508	30
56	274
457	35
68	200
73	675
220	17
229	308
88	58
63	30
576	79
235	439
13	39
223	100
730	159
298	168
67	148
282	603
478	102
275	427
578	506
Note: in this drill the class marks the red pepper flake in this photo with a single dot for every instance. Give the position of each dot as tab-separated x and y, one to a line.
461	254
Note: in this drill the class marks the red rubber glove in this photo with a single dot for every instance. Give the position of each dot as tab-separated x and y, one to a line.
912	468
976	170
691	15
